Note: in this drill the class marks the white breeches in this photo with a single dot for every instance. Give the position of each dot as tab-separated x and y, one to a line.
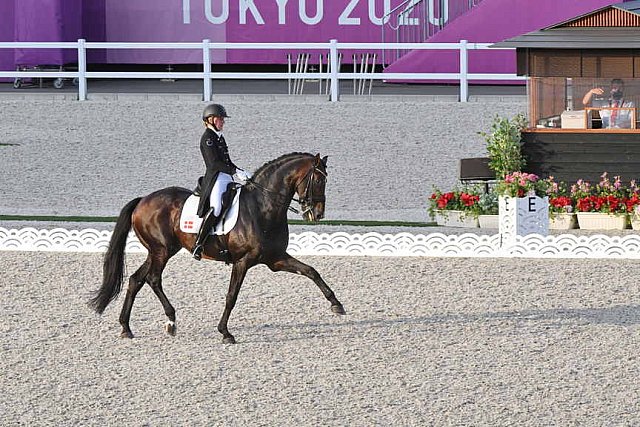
218	190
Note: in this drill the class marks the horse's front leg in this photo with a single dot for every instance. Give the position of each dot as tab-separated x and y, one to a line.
292	265
237	276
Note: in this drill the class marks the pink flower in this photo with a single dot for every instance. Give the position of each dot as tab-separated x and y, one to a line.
616	183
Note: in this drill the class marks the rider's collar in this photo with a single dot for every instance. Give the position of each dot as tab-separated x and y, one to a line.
219	133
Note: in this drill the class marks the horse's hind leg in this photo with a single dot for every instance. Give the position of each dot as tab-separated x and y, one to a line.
151	272
292	265
154	278
136	282
237	277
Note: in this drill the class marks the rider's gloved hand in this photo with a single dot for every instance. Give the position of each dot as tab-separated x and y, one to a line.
241	176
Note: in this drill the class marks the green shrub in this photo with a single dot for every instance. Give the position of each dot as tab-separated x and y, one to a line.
504	146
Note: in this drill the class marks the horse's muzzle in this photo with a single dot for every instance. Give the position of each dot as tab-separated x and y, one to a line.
313	213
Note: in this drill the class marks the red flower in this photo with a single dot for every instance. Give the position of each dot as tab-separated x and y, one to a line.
608	203
469	199
444	200
560	201
632	202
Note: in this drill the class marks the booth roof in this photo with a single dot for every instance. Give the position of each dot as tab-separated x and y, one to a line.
577	38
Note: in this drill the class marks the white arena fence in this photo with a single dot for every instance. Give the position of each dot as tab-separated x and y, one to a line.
333	74
367	244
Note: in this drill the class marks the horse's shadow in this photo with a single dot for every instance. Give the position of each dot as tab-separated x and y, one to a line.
622	315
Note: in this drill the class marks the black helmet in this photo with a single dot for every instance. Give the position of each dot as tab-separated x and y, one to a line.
216	110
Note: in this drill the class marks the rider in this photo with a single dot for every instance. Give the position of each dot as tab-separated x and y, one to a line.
219	176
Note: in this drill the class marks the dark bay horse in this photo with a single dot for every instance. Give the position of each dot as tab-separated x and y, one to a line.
260	236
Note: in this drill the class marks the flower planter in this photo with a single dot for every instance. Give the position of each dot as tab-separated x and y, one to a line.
635	221
489	221
451	218
563	221
602	221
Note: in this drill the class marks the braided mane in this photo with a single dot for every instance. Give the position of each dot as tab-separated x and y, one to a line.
275	163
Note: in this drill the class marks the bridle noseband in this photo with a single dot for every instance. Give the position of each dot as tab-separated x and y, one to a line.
308	200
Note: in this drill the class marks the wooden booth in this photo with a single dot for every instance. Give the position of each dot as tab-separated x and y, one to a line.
583	90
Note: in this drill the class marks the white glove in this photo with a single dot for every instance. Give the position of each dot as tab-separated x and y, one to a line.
241	176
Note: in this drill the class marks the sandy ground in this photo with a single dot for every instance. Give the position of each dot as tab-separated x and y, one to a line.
91	158
426	341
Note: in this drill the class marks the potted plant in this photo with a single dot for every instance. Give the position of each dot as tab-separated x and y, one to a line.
633	205
504	145
603	206
488	203
457	208
521	184
562	214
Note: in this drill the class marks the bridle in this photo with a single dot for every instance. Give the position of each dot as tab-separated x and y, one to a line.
308	200
306	203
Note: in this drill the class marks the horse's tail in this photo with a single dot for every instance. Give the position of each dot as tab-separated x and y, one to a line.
113	267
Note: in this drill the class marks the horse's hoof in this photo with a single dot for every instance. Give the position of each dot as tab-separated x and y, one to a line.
170	327
338	309
228	340
126	334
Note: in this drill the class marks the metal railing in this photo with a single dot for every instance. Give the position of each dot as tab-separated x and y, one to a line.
414	21
332	74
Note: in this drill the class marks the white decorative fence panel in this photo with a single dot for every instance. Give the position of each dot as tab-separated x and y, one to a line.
367	244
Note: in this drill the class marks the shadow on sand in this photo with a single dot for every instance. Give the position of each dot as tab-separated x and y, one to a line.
622	315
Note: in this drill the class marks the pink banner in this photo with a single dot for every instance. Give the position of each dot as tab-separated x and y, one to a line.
264	21
293	21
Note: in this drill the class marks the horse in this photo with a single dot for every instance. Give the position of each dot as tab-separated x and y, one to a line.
260	236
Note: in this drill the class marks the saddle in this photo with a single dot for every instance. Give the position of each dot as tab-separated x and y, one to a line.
190	221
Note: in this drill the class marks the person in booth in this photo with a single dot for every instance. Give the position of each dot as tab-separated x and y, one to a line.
610	115
220	175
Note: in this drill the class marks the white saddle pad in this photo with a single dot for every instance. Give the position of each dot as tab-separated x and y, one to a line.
190	221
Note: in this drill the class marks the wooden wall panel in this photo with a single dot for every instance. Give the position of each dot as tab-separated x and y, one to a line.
572	156
613	66
607	18
618	63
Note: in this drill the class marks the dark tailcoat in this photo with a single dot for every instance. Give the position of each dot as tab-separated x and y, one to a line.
216	158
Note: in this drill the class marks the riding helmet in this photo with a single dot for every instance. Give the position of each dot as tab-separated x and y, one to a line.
215	110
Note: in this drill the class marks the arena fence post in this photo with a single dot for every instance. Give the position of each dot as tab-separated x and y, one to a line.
333	55
206	68
82	70
464	69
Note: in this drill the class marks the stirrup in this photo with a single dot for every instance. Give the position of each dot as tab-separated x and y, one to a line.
197	252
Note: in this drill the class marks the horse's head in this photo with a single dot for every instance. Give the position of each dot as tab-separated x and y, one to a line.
310	188
303	175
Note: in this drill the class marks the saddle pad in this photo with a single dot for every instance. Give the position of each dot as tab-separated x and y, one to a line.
190	221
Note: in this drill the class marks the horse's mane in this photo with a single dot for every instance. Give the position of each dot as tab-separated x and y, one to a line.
272	164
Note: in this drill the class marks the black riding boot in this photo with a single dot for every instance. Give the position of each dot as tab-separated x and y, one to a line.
208	222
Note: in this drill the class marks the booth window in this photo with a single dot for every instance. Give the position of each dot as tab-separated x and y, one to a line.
557	102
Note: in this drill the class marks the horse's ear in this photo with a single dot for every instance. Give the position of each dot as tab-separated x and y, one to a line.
324	161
